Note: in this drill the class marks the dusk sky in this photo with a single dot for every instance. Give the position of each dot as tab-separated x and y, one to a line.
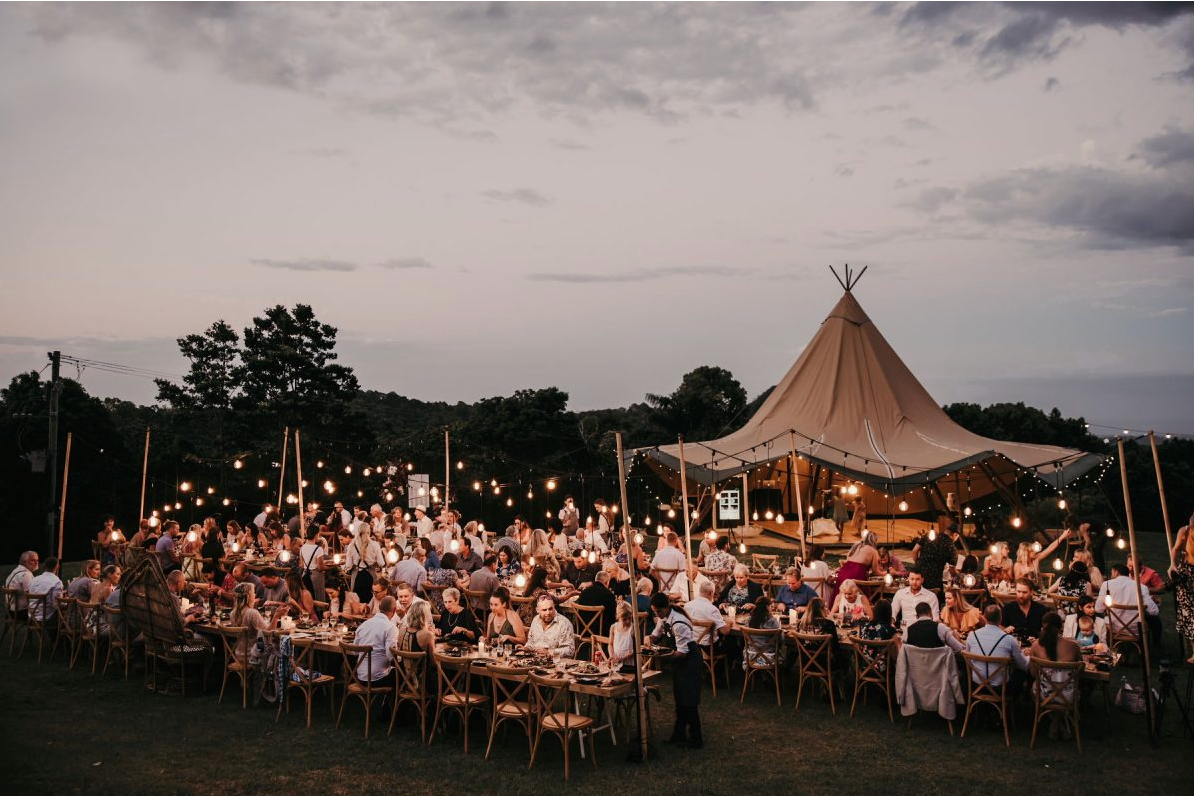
602	197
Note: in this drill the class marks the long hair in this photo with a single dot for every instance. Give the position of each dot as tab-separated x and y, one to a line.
813	614
761	613
960	604
241	601
1050	632
867	539
538	580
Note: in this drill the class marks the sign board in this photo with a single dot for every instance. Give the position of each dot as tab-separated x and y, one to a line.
418	491
729	507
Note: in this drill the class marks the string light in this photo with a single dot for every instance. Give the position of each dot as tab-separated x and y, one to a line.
185	486
742	548
531	561
336	559
497	490
712	536
261	483
192	536
520	580
509	502
410	467
1057	564
211	490
319	464
969	581
1016	521
389	497
903	505
366	472
671	514
530	494
852	489
647	520
177	505
592	557
493	482
755	515
888	579
291	499
227	501
779	519
459	465
1120	543
932	534
392	555
304	483
1036	547
966	512
236	465
476	486
551	483
547	514
236	547
1110	533
348	469
360	493
770	515
1061	504
695	514
329	487
198	501
284	557
659	530
638	538
1109	600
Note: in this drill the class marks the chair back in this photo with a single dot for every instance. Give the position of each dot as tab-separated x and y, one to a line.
478	604
66	615
761	561
761	650
110	614
667	577
1123	622
434	594
1047	579
587	620
12	598
1055	686
550	698
980	671
873	589
976	597
303	657
813	653
510	694
1064	603
352	656
1003	597
518	601
763	579
455	675
231	637
411	667
872	658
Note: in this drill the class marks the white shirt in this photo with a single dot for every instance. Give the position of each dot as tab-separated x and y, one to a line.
45	583
592	539
819	569
372	558
669	558
410	571
903	606
261	519
380	633
680	587
1123	592
700	609
557	638
310	554
425	526
19	579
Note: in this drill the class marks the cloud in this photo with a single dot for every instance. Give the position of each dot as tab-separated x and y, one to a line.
844	170
1171	147
306	265
1052	84
637	274
405	263
569	144
917	124
526	196
931	200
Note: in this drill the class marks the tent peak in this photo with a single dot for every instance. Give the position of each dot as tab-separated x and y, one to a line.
851	278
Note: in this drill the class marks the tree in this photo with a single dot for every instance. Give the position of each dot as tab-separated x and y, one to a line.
705	405
210	382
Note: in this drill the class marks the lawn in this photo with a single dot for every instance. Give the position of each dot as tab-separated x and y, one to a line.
70	732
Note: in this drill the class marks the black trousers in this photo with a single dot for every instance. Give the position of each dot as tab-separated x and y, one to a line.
688	724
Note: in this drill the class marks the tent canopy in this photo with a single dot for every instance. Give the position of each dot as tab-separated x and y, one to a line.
854	409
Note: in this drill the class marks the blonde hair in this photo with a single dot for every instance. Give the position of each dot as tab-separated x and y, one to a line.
241	601
417	617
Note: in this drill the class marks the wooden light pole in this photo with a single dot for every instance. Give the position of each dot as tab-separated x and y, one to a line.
799	503
1148	693
144	476
282	475
687	521
1152	440
62	507
298	461
628	540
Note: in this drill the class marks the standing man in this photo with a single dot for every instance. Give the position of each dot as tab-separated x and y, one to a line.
674	635
424	525
570	517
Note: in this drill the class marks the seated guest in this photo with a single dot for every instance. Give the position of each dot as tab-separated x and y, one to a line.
165	549
795	593
380	634
550	633
889	564
851	605
1085	633
504	625
814	620
879	628
761	651
619	579
579	571
80	588
599	594
273	591
642	595
971	577
381	589
958	615
19	579
680	586
49	584
993	641
741	592
176	582
1086	608
904	601
928	632
1122	589
406	601
412	569
109	582
446	574
669	562
239	574
245	614
720	562
1074	583
298	596
507	565
621	640
417	634
484	579
1054	647
469	560
456	623
536	587
1023	615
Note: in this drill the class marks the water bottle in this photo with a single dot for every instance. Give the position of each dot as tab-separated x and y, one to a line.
334	607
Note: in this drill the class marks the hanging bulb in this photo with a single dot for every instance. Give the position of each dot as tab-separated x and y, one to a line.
888	579
966	512
366	472
493	482
614	509
389	497
531	561
480	527
1110	533
459	465
329	487
211	490
435	491
932	534
1017	522
410	467
392	555
994	549
1036	547
319	464
284	556
770	515
852	489
422	491
1109	600
755	515
509	501
695	514
903	505
236	547
476	486
1120	543
304	483
292	499
227	501
261	483
154	521
336	559
497	490
236	465
712	536
551	483
638	538
198	501
360	493
647	520
406	517
779	519
671	514
530	494
588	519
547	514
1061	504
659	530
1057	564
742	548
520	580
969	581
178	505
592	557
348	469
192	536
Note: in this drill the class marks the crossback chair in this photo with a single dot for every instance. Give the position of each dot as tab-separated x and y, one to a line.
586	621
118	641
12	620
817	584
706	638
1047	579
976	597
1123	627
517	601
410	685
234	663
1055	690
764	580
814	658
39	606
763	561
667	577
512	702
304	679
980	671
718	576
366	689
1003	597
477	602
455	680
550	698
872	666
760	655
435	595
66	629
87	632
873	589
1064	603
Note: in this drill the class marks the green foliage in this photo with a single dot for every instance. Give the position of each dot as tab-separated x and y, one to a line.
707	404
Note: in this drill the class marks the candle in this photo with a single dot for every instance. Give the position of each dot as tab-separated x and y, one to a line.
792	616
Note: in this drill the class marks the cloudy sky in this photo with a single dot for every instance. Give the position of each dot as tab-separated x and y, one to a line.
602	197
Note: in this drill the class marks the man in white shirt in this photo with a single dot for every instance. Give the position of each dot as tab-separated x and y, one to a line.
19	579
1122	590
993	641
702	609
263	517
424	524
406	599
411	569
903	602
345	514
47	583
679	589
603	522
669	562
570	516
380	633
550	633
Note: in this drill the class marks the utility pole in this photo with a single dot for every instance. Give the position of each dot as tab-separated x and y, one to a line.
52	449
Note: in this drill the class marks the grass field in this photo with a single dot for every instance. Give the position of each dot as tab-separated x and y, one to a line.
73	733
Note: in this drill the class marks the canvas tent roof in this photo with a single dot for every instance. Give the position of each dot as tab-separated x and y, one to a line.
855	409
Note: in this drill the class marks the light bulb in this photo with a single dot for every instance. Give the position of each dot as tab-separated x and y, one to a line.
530	495
614	509
638	538
551	483
712	536
319	464
329	487
227	501
360	493
177	505
695	514
236	465
497	490
435	491
422	491
968	581
236	547
261	483
659	530
348	469
410	467
647	520
903	505
480	527
366	472
671	514
843	490
588	519
1036	547
1110	533
389	497
779	519
509	502
810	511
967	512
755	515
531	561
1061	504
853	489
1017	522
406	517
211	490
1057	565
336	559
547	514
392	555
285	556
994	549
476	486
1109	600
592	557
770	515
304	483
888	579
520	580
1120	543
185	486
454	545
459	465
742	548
154	521
192	536
932	534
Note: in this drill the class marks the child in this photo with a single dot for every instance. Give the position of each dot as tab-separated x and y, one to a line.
1086	636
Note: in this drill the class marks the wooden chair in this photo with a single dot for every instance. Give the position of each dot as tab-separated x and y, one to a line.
817	585
550	698
976	597
718	576
1123	628
872	666
305	679
12	621
980	689
233	638
760	654
38	605
410	685
586	621
66	624
512	702
435	596
117	641
1047	579
1064	603
87	632
518	601
710	654
873	589
455	679
366	689
477	602
1055	690
764	581
763	561
1003	597
814	657
667	577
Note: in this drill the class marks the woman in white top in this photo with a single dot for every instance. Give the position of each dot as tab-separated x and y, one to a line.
814	567
621	640
851	604
310	561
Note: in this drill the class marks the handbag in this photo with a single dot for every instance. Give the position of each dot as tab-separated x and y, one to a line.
1129	698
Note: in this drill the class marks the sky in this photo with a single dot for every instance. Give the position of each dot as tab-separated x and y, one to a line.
489	197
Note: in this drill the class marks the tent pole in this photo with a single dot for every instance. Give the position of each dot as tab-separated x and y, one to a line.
144	476
687	519
62	509
800	518
298	462
958	499
1144	640
629	542
447	467
1152	440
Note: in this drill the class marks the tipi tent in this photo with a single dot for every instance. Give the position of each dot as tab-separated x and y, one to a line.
857	414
